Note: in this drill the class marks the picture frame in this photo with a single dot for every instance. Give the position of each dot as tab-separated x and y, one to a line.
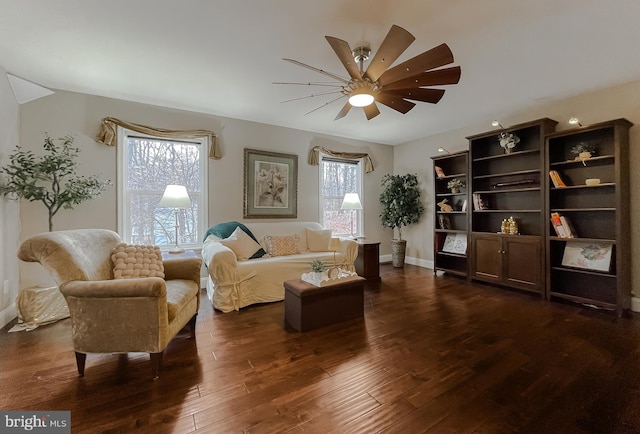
444	221
270	184
587	255
455	243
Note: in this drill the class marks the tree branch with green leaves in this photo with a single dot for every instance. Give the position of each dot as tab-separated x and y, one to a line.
50	178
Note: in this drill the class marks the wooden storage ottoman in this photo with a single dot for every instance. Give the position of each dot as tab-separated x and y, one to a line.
308	307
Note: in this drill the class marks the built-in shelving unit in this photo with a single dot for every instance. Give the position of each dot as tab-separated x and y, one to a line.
509	184
451	227
594	267
584	260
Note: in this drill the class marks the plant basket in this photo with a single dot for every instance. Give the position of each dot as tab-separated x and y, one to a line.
398	250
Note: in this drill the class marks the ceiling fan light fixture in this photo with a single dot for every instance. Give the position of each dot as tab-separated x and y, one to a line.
361	98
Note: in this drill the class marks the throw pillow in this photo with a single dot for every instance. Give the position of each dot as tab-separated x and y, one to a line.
242	244
318	240
224	230
281	245
131	260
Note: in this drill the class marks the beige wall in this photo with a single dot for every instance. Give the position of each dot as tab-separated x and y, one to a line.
617	102
80	114
66	112
9	221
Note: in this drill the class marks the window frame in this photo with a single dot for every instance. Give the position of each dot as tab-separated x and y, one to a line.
123	196
359	217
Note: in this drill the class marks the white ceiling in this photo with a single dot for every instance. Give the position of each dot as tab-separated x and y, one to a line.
221	56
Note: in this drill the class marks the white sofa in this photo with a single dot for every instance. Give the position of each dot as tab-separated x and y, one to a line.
233	284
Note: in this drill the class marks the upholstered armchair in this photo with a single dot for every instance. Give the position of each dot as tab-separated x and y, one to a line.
108	315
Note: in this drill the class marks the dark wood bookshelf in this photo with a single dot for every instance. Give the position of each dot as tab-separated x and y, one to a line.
453	165
599	213
511	184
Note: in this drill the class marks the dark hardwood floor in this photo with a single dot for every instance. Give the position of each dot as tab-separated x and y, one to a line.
433	354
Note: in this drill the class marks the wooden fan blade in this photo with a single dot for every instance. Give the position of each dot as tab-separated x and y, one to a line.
434	58
371	111
429	78
394	44
395	102
345	55
420	94
321	71
342	113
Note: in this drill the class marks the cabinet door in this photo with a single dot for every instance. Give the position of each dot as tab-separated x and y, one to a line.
523	263
487	253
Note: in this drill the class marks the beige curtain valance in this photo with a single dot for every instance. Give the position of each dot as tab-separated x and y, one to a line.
314	157
108	134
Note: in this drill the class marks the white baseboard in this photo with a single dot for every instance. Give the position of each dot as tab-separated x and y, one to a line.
419	262
635	304
8	314
409	260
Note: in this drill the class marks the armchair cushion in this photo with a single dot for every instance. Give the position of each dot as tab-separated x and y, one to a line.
130	261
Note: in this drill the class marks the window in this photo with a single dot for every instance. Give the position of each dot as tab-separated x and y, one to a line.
338	177
146	165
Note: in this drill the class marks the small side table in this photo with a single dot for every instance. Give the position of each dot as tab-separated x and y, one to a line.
368	261
186	254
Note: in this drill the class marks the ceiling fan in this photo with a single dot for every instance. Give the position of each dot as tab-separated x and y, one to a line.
397	86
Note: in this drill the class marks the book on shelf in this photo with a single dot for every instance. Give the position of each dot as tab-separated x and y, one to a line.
566	223
455	243
479	203
562	226
555	178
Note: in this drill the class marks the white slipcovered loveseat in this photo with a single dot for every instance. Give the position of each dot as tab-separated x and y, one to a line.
235	281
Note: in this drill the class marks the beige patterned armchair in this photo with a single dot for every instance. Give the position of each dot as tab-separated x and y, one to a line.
112	315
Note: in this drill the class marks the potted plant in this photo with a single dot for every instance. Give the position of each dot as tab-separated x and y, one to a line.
318	268
508	141
400	200
583	150
455	185
49	178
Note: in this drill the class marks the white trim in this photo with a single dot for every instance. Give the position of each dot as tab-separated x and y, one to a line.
8	314
419	262
635	304
424	263
203	197
359	163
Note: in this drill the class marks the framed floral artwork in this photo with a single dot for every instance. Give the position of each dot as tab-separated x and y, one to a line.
588	255
270	184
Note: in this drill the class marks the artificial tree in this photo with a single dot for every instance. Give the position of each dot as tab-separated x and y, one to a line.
401	206
50	178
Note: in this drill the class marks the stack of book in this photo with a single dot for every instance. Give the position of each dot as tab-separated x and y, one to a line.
562	226
555	178
479	203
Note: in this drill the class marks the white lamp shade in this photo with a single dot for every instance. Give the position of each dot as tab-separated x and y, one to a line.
351	201
175	196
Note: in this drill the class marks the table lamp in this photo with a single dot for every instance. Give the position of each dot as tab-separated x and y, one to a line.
351	201
176	197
